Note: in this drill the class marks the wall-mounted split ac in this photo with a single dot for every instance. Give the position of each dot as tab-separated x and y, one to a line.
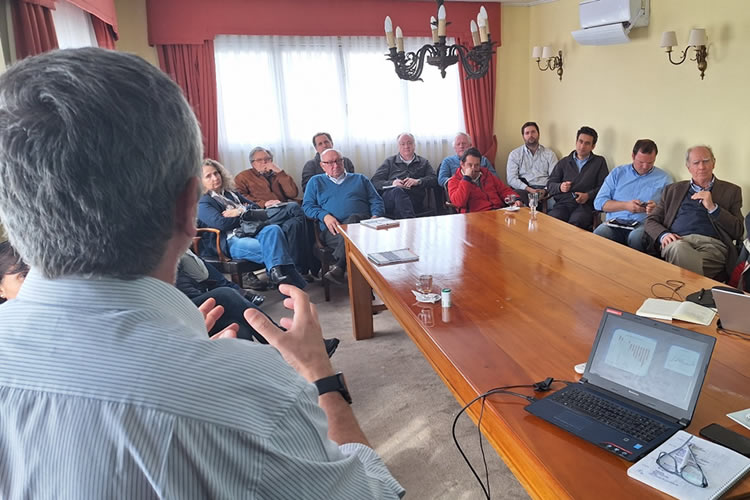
608	22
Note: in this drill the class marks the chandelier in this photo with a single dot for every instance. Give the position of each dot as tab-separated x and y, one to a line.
475	61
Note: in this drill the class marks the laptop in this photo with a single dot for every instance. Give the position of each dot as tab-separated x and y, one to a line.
640	385
732	306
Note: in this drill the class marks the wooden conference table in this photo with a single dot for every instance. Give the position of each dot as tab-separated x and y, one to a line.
527	297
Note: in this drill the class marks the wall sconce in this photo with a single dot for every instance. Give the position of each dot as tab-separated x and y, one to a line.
697	41
551	61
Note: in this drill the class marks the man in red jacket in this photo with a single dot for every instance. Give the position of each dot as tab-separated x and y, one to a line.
474	189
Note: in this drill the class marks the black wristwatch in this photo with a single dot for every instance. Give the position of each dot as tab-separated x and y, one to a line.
334	383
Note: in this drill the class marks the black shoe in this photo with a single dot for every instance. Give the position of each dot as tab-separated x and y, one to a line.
309	277
251	281
276	276
254	298
336	275
331	345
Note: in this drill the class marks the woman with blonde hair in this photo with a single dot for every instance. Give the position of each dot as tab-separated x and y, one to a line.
220	207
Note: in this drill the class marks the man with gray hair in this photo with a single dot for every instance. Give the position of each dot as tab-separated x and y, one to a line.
403	180
450	164
109	385
696	222
264	182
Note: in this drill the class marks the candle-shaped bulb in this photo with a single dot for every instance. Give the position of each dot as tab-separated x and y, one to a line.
474	33
483	13
434	29
389	40
441	21
482	22
399	39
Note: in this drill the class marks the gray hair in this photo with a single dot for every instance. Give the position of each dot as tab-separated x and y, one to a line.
227	180
399	136
331	149
462	134
690	149
96	146
258	149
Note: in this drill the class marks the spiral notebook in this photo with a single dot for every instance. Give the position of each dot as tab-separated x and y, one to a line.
721	466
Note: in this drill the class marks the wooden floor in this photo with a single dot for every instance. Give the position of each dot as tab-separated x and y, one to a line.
528	296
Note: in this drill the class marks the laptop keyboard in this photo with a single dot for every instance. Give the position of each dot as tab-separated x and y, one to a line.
610	413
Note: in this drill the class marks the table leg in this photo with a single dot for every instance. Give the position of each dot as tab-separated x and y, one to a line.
360	298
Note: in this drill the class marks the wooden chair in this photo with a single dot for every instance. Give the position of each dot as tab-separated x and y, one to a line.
226	265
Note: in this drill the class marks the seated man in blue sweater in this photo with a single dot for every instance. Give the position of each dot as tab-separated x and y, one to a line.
339	197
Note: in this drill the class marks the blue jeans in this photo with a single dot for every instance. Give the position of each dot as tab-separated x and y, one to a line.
633	239
268	247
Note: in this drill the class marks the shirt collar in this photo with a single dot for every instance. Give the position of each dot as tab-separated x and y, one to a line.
413	158
695	187
100	292
340	180
641	175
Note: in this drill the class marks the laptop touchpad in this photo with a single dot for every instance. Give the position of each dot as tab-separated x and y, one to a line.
570	420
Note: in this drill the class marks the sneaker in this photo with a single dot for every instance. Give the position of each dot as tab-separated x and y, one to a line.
331	345
336	275
251	281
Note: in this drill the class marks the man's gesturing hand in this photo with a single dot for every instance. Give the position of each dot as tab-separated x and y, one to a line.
211	314
302	344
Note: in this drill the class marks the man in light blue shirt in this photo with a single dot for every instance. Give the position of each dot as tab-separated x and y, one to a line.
109	384
629	194
450	164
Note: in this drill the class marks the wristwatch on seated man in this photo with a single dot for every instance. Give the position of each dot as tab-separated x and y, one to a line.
333	383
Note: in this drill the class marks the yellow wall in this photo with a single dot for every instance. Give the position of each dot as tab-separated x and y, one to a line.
132	24
630	91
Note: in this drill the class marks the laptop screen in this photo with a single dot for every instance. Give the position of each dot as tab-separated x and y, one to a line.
653	363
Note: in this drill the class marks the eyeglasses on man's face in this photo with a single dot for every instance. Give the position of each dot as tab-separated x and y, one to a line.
267	159
338	161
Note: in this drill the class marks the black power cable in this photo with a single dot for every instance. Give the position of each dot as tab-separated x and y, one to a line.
542	386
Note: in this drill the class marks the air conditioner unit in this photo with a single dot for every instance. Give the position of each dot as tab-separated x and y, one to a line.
608	22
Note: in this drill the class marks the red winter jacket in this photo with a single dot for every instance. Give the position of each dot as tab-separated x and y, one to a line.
465	194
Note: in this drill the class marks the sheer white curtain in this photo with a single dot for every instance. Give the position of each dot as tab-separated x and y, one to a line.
73	26
277	92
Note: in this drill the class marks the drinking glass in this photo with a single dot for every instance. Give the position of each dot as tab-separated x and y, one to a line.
533	202
424	283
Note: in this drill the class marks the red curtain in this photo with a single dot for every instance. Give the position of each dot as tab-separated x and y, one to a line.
478	97
194	70
105	35
33	27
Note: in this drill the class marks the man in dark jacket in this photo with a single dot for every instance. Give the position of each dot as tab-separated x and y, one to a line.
575	181
697	222
403	179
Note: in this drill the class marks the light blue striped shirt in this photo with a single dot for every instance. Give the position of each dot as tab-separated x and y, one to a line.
111	389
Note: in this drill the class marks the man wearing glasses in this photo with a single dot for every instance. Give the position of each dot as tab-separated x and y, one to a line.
265	183
339	197
697	222
321	141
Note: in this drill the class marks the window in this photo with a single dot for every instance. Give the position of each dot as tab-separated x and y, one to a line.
277	92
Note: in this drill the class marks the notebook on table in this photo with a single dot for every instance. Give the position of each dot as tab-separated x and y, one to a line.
641	385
